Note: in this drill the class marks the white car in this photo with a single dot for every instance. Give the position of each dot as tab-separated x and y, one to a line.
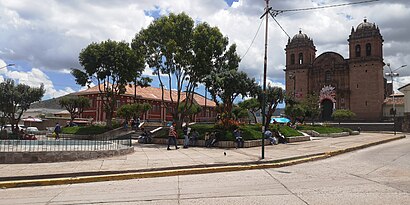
32	130
8	128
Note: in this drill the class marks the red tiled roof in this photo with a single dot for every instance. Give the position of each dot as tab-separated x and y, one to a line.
152	93
398	100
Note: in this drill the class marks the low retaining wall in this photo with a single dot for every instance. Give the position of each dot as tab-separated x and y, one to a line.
58	156
341	134
231	144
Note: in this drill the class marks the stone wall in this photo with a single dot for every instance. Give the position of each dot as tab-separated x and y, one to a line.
58	156
231	144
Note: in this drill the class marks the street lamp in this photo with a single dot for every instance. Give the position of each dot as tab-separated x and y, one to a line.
392	74
11	64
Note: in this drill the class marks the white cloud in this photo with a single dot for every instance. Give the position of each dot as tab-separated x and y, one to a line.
35	78
50	34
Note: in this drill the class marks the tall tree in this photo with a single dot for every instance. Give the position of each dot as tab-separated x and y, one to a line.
183	53
113	65
74	105
168	42
16	99
274	96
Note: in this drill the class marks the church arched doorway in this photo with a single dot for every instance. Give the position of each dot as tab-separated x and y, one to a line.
327	109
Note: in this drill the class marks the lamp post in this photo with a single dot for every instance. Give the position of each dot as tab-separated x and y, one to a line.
11	64
392	74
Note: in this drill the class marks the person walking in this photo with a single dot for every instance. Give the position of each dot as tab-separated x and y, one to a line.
172	136
57	130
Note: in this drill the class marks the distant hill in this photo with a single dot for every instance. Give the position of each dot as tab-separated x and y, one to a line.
50	104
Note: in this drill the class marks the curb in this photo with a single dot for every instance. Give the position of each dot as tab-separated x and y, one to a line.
187	171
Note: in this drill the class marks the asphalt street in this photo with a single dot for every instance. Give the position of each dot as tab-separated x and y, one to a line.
375	175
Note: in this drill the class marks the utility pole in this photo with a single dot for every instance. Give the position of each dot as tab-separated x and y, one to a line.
265	66
392	74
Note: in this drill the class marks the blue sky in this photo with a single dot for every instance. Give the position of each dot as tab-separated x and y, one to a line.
44	38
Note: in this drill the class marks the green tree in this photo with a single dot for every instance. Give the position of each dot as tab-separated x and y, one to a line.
252	105
113	65
227	85
343	114
239	112
274	96
311	106
74	105
129	111
295	111
16	99
185	54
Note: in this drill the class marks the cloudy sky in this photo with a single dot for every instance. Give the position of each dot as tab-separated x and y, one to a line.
43	38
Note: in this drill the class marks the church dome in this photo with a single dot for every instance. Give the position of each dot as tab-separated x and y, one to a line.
365	25
300	40
300	36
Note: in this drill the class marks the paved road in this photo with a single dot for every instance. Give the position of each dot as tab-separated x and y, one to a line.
376	175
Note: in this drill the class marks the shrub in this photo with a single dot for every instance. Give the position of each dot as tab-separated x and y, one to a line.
87	130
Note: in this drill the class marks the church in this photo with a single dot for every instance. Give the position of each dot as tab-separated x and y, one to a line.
356	83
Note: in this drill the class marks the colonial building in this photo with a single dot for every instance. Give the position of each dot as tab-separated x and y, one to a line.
160	111
356	83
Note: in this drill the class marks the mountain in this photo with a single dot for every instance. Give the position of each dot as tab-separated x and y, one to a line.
50	104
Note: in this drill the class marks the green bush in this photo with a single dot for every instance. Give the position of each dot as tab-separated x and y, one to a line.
86	130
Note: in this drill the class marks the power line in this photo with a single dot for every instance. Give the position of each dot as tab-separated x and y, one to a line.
274	13
253	40
280	26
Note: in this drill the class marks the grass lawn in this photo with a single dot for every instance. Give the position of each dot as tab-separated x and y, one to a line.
323	129
289	132
249	131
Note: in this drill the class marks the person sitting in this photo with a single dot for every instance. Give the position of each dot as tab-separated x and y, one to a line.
145	137
238	138
207	139
213	139
193	138
268	135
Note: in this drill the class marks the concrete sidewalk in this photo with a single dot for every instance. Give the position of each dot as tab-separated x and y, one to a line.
148	157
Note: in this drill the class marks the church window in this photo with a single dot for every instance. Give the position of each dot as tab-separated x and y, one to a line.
300	58
328	76
357	50
368	49
292	59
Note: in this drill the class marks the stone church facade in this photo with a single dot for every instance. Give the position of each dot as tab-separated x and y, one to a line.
356	83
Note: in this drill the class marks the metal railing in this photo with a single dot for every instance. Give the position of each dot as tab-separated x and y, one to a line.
44	144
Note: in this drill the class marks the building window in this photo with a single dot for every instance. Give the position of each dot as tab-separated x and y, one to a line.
300	58
357	50
328	76
292	59
368	49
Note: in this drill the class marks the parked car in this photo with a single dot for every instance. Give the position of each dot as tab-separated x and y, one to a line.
8	128
32	130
